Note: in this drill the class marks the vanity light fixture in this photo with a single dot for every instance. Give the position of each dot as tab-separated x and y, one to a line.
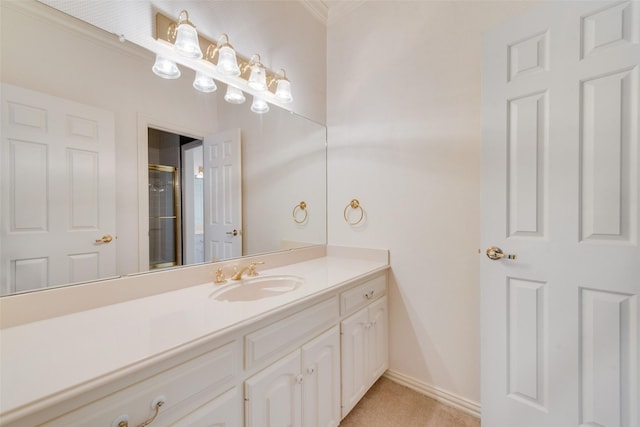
204	83
186	36
283	86
227	60
259	106
258	76
234	95
241	74
165	68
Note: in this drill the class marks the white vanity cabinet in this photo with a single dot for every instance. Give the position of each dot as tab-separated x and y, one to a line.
321	380
304	363
274	395
223	411
303	387
199	390
364	340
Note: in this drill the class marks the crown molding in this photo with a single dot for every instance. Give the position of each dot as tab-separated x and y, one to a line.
318	8
338	9
330	11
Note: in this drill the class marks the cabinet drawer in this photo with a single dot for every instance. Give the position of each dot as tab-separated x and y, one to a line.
363	294
223	411
211	373
269	342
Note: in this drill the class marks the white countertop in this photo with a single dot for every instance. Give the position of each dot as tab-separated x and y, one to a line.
40	359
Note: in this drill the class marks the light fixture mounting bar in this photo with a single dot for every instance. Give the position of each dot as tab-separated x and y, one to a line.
165	27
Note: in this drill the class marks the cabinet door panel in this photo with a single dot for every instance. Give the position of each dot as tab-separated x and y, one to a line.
354	367
274	395
321	386
378	348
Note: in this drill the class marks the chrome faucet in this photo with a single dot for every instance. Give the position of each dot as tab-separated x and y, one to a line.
250	269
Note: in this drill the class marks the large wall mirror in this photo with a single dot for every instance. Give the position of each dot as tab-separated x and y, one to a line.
108	170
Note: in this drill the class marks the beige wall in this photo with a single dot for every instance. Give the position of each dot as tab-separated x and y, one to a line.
404	126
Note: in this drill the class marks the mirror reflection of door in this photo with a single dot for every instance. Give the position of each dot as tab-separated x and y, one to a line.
192	202
222	195
195	199
57	192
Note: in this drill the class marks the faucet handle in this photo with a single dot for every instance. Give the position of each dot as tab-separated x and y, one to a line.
220	277
251	271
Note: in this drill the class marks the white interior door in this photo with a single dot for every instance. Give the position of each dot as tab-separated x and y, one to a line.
192	203
560	323
58	191
222	195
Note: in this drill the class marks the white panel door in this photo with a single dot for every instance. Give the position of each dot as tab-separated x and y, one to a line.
560	190
58	191
222	195
321	384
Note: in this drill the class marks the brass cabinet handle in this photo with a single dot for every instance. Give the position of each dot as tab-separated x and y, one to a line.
495	253
105	239
123	421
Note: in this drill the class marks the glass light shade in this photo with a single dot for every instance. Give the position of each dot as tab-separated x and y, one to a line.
259	106
283	90
187	41
165	68
227	62
234	95
204	83
258	78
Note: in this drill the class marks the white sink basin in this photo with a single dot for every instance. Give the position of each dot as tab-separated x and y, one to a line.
256	288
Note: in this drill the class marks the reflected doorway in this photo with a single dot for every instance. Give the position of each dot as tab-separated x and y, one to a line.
192	202
175	199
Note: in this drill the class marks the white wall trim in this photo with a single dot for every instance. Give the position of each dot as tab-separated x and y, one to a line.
443	396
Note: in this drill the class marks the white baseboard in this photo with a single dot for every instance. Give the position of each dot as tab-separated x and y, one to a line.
443	396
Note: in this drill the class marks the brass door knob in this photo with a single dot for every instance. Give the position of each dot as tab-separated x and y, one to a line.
495	253
232	233
105	239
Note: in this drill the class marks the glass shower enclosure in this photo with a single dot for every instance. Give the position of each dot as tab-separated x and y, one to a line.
163	217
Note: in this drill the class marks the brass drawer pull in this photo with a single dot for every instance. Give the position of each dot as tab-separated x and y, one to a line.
156	405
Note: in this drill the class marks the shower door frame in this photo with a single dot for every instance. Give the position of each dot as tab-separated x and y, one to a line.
177	218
